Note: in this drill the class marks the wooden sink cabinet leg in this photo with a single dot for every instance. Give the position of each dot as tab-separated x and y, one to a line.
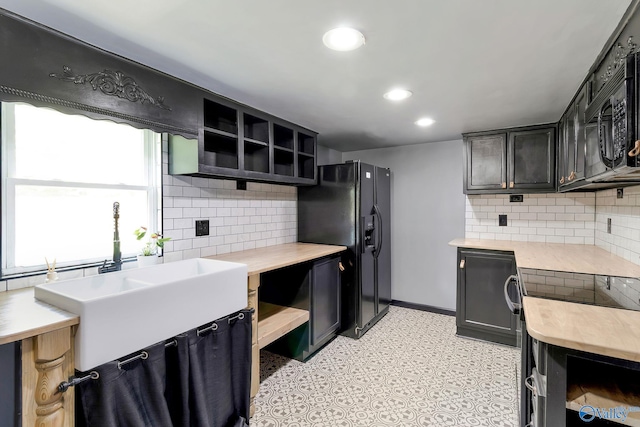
47	360
254	284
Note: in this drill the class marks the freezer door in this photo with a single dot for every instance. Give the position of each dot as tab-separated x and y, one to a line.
368	234
383	245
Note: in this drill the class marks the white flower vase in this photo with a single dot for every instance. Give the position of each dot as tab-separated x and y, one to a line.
145	261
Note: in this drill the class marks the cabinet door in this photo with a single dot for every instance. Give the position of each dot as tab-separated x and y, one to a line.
481	308
532	159
562	150
325	300
581	135
10	386
486	162
570	154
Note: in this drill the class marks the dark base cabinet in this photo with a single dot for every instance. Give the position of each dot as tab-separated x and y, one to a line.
481	311
10	385
311	286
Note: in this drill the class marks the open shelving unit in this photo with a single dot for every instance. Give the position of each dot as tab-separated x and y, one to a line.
601	385
238	142
220	135
275	321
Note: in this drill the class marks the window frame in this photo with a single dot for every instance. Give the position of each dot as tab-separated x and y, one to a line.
152	171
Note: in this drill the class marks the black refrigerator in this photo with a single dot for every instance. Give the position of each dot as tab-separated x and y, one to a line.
351	206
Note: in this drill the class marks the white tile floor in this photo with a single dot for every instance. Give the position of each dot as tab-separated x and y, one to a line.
408	370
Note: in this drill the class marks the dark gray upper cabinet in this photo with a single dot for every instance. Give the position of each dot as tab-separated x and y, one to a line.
572	140
517	160
486	162
532	159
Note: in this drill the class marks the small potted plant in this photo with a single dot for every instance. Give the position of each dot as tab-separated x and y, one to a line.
149	252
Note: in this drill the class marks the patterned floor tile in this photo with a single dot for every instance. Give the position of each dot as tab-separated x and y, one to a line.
408	370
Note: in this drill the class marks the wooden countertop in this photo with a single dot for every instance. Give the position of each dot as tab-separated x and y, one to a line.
278	256
587	259
22	316
601	330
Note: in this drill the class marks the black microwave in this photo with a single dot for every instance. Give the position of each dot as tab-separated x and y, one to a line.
612	153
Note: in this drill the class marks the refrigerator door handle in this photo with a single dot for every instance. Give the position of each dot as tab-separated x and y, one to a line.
376	251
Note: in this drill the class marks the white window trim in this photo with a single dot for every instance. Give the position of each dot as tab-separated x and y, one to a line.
153	171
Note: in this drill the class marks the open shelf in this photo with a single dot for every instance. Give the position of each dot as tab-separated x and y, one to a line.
601	385
256	157
256	128
283	162
306	144
274	321
306	166
220	117
220	151
282	137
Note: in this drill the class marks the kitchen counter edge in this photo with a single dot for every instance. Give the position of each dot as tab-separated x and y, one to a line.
570	258
601	330
22	316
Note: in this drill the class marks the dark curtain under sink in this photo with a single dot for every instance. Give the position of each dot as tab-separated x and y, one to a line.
203	380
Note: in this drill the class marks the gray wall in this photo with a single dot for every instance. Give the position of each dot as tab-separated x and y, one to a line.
328	156
427	212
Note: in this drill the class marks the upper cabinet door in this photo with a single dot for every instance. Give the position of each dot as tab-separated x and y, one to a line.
532	159
580	128
486	162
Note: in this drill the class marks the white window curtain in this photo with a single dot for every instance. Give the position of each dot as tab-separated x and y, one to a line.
61	175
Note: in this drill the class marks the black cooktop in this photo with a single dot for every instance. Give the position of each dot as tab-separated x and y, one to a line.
604	291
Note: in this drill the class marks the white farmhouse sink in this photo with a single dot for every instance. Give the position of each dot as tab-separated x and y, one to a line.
125	311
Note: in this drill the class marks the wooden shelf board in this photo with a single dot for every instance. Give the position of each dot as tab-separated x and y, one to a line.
221	132
603	396
283	149
309	155
275	321
256	142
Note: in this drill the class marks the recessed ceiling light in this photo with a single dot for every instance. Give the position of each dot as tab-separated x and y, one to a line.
425	121
397	94
343	39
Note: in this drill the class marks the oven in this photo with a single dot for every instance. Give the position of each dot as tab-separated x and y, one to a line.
612	152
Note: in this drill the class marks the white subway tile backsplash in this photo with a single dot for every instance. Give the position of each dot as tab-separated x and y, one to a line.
576	218
625	223
539	218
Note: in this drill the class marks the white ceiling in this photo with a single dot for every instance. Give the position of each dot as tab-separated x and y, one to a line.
471	64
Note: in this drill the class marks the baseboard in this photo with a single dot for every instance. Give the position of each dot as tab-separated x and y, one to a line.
423	307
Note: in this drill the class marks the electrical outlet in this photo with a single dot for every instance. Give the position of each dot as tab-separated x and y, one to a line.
517	198
620	193
609	225
202	227
502	220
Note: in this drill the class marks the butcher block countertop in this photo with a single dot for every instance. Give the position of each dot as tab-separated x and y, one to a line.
22	316
273	257
587	259
600	330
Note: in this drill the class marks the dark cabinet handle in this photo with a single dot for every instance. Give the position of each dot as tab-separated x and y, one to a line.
504	185
376	251
511	184
562	180
514	307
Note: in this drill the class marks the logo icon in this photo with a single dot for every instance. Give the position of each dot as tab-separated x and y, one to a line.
587	413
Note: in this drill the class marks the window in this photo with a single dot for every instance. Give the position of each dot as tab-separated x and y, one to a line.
61	175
